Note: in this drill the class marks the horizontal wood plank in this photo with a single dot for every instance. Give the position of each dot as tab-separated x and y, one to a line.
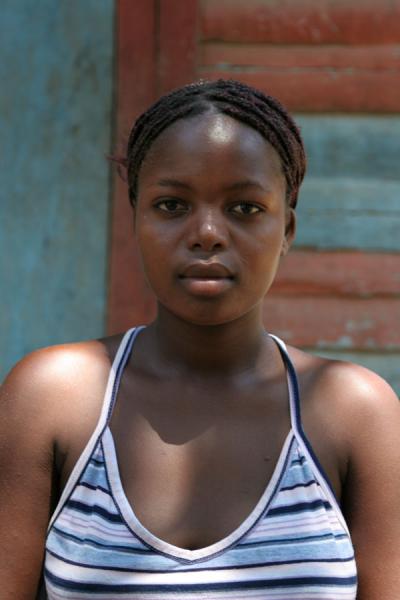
305	90
301	21
374	57
327	322
346	213
339	274
352	146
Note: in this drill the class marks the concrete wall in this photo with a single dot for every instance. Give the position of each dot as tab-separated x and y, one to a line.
55	127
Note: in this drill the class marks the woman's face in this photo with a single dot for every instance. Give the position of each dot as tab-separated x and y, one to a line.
211	218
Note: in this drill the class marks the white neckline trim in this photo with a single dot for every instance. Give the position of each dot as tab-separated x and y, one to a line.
129	336
155	542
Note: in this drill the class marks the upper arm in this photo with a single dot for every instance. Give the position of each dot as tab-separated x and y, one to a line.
49	406
371	499
26	478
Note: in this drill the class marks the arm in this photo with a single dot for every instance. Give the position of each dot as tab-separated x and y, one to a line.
26	479
49	407
371	500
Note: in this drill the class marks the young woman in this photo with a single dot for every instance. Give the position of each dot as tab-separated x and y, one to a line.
198	457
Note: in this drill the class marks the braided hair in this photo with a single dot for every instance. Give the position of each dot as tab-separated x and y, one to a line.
237	100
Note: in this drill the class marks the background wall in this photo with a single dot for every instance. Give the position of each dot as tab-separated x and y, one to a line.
336	65
55	126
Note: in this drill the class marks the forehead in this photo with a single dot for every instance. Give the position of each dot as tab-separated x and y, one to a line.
212	140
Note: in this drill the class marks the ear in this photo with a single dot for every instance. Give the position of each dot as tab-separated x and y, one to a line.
290	231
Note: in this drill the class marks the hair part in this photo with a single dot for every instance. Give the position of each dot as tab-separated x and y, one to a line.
233	98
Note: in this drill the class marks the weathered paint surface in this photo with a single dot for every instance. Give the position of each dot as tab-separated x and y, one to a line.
351	195
136	47
341	304
301	21
55	124
314	56
329	322
338	274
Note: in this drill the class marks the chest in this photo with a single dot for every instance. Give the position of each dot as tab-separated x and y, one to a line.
194	464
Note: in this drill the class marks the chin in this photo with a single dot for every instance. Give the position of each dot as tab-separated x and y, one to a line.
210	316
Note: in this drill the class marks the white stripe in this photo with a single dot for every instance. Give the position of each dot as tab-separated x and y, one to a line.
299	494
94	497
75	524
264	594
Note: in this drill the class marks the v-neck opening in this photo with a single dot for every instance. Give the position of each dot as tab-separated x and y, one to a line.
154	542
127	510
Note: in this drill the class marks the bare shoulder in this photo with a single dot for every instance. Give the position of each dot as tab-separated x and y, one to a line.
345	408
354	415
49	404
40	380
54	388
344	386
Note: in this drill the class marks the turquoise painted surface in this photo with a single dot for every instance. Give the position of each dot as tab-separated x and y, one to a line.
55	127
351	195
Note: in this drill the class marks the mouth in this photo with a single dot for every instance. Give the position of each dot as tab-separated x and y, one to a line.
206	279
206	270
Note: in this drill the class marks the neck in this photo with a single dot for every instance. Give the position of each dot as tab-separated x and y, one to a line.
228	348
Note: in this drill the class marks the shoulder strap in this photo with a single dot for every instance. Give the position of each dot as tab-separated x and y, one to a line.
297	426
293	386
114	379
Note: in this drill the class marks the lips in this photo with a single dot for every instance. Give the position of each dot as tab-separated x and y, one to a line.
204	270
206	279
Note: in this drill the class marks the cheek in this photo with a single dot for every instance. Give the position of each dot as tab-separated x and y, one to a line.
155	252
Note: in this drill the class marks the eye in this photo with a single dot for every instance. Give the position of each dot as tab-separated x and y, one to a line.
245	209
172	206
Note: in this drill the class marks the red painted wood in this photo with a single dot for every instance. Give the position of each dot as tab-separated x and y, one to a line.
302	21
327	322
338	274
322	90
177	43
129	300
375	57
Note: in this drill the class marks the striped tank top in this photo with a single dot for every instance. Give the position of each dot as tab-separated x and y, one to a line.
294	545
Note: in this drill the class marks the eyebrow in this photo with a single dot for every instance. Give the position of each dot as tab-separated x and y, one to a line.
167	182
246	183
237	186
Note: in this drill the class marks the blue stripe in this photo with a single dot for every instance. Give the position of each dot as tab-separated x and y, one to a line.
286	583
102	545
296	540
94	487
90	509
298	485
299	507
251	565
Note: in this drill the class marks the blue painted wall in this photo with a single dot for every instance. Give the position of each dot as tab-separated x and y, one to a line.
55	129
350	198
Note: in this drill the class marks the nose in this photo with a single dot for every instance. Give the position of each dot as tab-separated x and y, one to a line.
208	230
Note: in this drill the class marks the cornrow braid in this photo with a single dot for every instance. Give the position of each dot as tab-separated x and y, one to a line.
235	99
